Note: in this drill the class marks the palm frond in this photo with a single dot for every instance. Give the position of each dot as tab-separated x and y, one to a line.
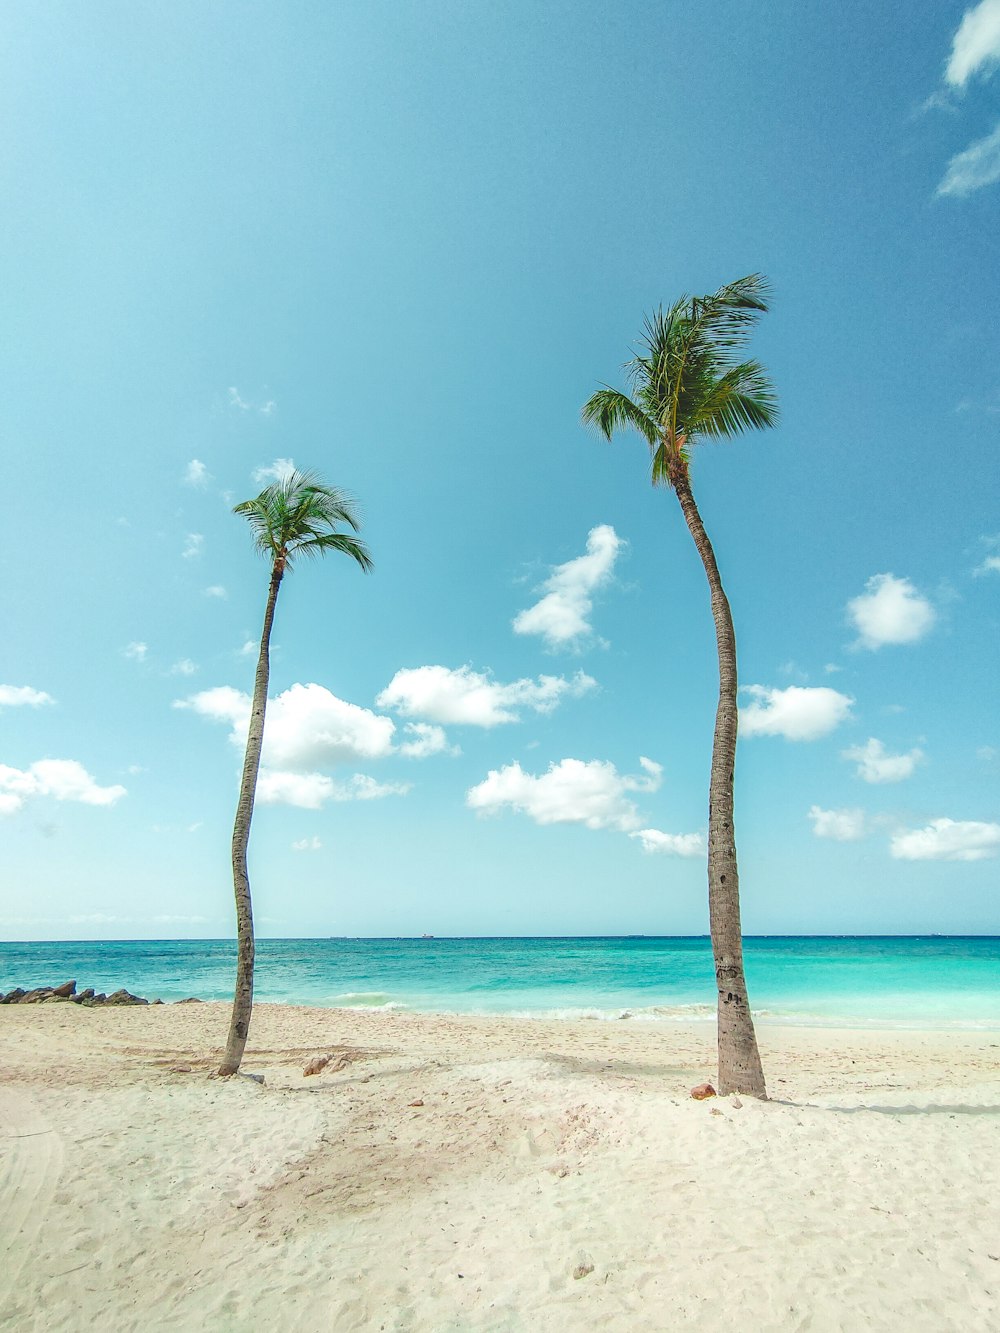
686	381
337	541
740	400
610	410
299	514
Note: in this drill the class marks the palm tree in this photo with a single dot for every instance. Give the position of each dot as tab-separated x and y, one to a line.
295	516
688	386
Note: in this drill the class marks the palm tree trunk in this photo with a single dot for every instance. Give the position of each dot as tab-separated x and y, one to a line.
739	1060
239	1026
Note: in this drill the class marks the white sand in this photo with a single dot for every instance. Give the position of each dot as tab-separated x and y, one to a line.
132	1195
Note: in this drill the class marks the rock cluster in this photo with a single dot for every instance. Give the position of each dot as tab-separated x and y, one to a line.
68	993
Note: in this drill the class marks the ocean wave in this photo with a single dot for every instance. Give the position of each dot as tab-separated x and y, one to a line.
657	1013
365	999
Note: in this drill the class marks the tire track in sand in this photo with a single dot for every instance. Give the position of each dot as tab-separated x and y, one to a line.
30	1165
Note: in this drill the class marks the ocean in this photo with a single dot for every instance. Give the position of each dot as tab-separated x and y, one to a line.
861	981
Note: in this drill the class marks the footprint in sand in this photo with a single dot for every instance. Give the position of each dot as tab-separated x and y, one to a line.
30	1166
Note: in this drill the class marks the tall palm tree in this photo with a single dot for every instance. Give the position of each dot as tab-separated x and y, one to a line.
687	386
295	516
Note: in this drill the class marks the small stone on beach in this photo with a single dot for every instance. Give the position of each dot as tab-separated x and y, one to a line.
702	1091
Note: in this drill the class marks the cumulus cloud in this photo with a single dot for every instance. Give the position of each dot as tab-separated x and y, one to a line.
196	473
136	652
279	470
216	590
799	713
185	667
560	618
310	791
975	167
890	610
306	728
427	739
674	844
593	793
875	764
975	48
948	840
20	696
470	698
193	546
62	779
307	845
841	825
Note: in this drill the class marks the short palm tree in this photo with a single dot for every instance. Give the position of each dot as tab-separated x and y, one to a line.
688	386
295	516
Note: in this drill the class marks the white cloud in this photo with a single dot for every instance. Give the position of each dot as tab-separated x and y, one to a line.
309	791
799	713
250	648
427	740
306	727
137	652
975	48
193	546
593	793
279	470
244	405
948	840
216	590
890	611
561	615
841	825
674	844
876	765
196	473
62	779
19	696
307	845
185	667
469	698
991	565
977	166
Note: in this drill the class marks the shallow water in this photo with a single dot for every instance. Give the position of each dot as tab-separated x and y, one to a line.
926	981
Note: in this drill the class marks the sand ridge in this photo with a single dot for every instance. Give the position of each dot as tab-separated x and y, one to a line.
466	1173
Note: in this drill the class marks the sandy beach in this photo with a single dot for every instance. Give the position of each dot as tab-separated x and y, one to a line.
462	1173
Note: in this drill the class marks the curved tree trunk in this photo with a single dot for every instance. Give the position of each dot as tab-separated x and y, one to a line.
243	994
739	1060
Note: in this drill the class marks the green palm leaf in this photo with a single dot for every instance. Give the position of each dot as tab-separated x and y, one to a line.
687	383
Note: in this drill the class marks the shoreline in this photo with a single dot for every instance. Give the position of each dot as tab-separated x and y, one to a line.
478	1173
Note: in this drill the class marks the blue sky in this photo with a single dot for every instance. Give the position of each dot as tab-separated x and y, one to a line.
401	244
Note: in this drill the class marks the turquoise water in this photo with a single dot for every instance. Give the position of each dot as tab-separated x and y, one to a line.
932	981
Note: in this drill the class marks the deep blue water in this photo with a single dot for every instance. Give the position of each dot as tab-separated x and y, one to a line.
926	981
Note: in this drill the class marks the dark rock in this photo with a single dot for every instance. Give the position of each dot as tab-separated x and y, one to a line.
123	996
35	996
191	999
157	1002
65	990
13	996
83	996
